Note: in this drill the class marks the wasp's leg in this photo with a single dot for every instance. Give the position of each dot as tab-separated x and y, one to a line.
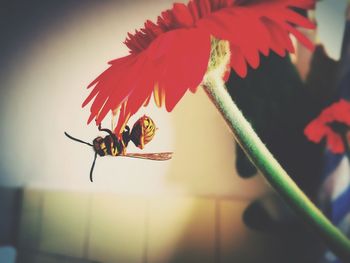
105	130
92	167
115	141
123	150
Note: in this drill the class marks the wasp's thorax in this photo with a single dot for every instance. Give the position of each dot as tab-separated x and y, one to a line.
111	144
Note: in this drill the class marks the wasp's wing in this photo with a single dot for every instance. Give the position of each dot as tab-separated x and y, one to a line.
164	156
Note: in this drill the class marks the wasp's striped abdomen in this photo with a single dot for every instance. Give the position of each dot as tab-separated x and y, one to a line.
143	131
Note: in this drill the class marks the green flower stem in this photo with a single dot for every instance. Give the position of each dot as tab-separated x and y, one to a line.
272	170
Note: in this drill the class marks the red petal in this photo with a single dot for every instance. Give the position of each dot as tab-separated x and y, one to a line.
305	4
138	96
319	128
269	20
341	111
182	15
237	61
192	6
316	131
335	143
184	63
107	84
176	59
124	86
204	7
302	38
277	40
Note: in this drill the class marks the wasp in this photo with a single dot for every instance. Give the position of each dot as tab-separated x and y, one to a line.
141	133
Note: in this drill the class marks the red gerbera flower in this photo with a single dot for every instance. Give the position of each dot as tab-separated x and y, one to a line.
171	56
337	115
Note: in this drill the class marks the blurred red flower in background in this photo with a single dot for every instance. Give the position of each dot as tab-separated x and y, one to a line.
322	127
171	56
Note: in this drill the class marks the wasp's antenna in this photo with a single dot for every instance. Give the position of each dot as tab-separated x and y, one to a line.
92	167
77	140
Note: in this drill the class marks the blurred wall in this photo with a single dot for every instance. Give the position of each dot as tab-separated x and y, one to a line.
54	50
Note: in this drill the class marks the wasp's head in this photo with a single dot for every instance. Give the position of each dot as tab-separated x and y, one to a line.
143	131
99	146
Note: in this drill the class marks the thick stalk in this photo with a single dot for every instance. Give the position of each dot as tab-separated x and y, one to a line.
272	170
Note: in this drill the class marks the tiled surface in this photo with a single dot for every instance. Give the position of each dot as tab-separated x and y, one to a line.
181	230
38	258
26	256
117	226
239	243
64	223
80	227
47	258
